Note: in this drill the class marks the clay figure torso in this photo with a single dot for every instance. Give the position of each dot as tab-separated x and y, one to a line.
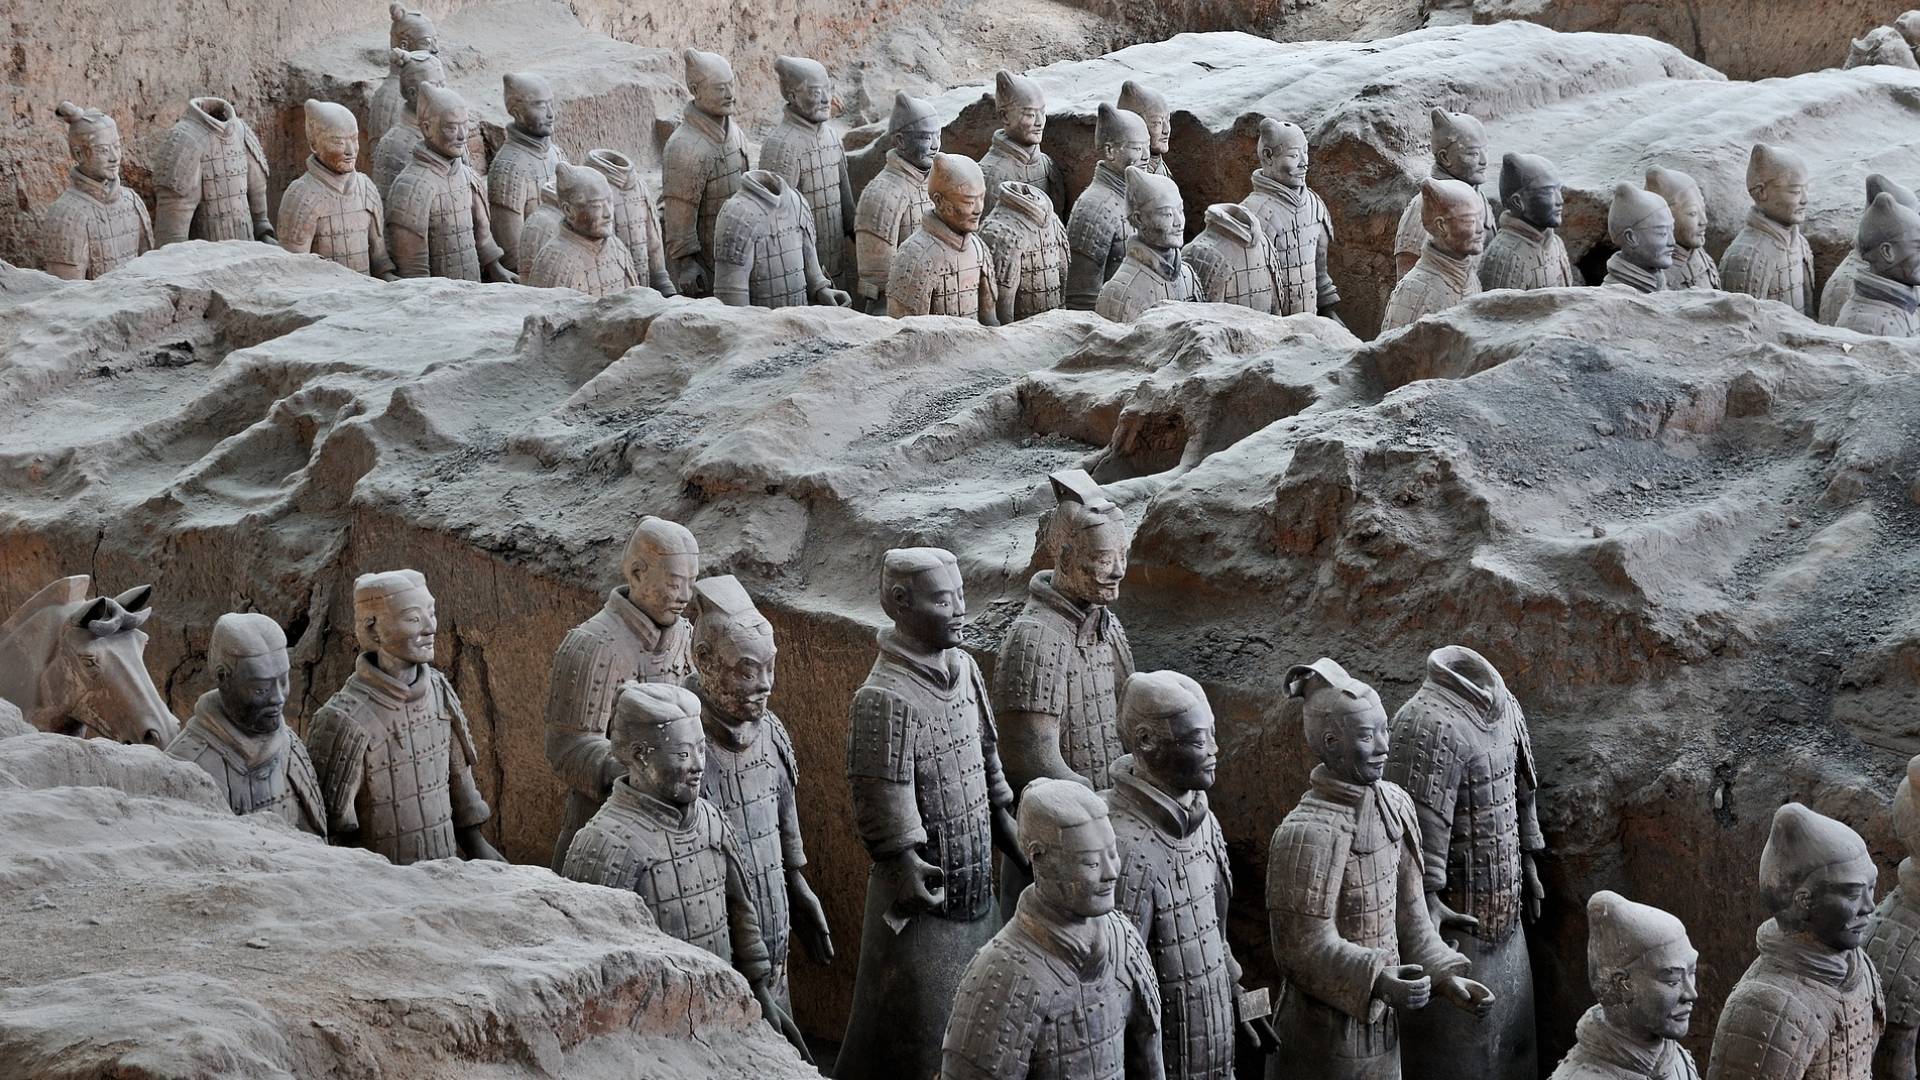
337	217
938	271
702	165
1693	268
812	159
1059	660
1411	237
1232	261
1030	251
1799	1014
269	774
518	170
1300	230
1604	1052
1522	257
676	858
768	231
444	201
569	260
217	167
1893	945
1839	287
890	210
751	779
634	221
1437	282
1625	272
1770	261
1880	306
1009	160
1144	279
95	226
1097	232
392	152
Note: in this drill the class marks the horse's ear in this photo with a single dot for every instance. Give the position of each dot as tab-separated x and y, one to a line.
100	610
136	598
134	620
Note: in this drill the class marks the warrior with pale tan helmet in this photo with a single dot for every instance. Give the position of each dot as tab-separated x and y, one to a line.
1640	225
1527	252
238	734
333	210
1097	230
1646	976
1295	221
584	253
943	268
1153	270
805	149
392	748
764	250
633	217
1810	1007
526	159
1014	154
1459	154
1884	296
408	32
437	214
1692	268
700	170
1030	252
97	224
1151	107
210	178
1839	286
1893	939
640	635
1770	257
894	201
1232	259
394	149
1445	275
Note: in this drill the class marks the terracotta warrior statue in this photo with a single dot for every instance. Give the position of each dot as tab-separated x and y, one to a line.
1459	153
1030	252
210	178
584	253
1640	224
633	220
805	149
1892	937
656	836
1174	876
1014	155
764	253
1153	269
1150	106
393	752
1232	259
1880	45
1461	750
1839	286
700	170
1810	1006
410	32
1097	229
1884	299
525	160
97	224
1357	951
1066	989
1295	221
751	771
1527	253
1770	258
638	636
1446	274
395	148
894	201
437	209
546	221
1692	267
237	733
1908	23
332	210
1645	974
930	803
943	268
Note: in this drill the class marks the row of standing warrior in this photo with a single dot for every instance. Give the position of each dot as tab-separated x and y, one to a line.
1396	890
932	233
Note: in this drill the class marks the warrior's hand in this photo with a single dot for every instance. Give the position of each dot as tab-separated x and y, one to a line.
918	885
1258	1030
828	296
263	230
1466	995
781	1020
1536	893
499	274
474	846
1445	918
1404	987
1006	837
809	918
691	278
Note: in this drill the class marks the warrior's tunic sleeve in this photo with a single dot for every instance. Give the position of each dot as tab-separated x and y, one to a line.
880	770
743	924
580	696
1305	864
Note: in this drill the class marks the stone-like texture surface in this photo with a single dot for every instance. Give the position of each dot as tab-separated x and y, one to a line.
154	934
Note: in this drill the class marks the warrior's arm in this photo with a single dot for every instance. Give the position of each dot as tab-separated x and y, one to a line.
409	253
580	696
750	957
1328	294
65	250
874	253
846	198
1145	1057
493	266
69	271
1420	941
507	220
1086	272
1304	869
989	293
257	198
378	263
908	293
173	212
656	269
296	231
730	283
1006	291
1893	1056
682	226
1032	749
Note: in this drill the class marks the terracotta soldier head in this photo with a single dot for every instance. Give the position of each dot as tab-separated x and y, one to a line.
1880	45
529	102
1345	724
1087	535
94	141
1683	197
958	191
1640	224
1642	968
333	135
394	617
1064	832
1890	239
806	87
1154	209
660	563
1817	878
1454	215
1530	190
656	734
1120	137
1167	725
1150	106
1909	26
444	119
915	129
1906	811
733	649
1460	146
1284	156
922	592
586	200
1777	180
411	31
248	658
710	81
1022	107
417	68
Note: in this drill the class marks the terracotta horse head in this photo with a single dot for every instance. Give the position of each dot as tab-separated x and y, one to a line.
76	665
